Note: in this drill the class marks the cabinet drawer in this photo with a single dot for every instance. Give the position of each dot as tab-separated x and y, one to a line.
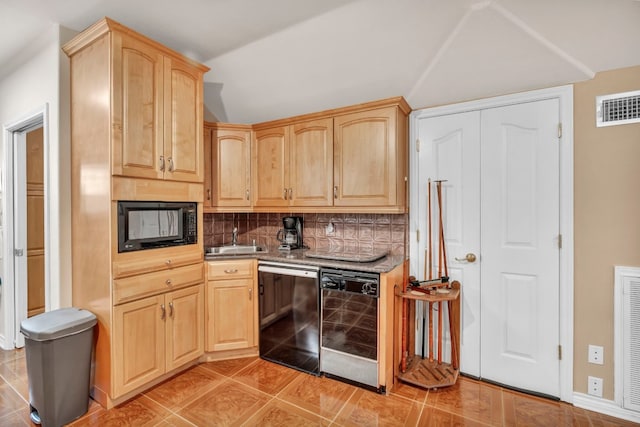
230	269
140	262
142	285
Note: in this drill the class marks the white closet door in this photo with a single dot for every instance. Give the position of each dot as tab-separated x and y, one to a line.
501	203
450	150
520	253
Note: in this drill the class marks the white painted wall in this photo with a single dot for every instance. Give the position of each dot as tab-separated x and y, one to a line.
39	76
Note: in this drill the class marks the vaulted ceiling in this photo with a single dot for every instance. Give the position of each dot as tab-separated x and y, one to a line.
278	58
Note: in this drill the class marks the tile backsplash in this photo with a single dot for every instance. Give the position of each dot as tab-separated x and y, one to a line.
352	231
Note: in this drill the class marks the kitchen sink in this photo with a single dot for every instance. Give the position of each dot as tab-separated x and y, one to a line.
234	250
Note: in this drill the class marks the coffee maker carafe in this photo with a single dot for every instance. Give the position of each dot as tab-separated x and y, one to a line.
290	236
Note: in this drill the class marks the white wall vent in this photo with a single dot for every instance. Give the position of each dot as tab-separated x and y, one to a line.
627	333
618	109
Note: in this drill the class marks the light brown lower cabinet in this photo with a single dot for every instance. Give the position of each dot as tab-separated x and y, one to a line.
155	335
232	306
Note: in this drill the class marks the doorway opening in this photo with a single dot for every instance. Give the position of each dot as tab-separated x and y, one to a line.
25	235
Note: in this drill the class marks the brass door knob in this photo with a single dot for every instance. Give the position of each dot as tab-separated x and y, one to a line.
468	258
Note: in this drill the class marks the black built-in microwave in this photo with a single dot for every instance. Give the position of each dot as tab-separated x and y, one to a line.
149	225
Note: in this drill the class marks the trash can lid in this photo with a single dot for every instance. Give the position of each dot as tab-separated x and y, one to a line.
57	323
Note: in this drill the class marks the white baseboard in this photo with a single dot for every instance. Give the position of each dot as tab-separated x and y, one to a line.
4	345
604	406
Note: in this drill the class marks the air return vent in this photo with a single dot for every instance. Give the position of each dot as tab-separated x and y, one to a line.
618	109
627	336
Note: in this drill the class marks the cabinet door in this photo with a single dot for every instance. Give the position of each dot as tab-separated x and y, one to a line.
311	163
231	157
208	166
137	142
183	150
230	320
270	154
139	343
185	325
365	159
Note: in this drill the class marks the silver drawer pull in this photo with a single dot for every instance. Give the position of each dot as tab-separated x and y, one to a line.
170	309
231	270
168	282
168	263
163	312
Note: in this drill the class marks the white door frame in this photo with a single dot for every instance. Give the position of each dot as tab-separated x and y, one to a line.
14	295
565	95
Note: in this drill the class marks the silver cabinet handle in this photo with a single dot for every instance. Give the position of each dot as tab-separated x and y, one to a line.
208	194
168	282
162	163
250	293
231	270
468	258
290	193
335	191
171	309
168	263
284	194
163	312
171	167
247	193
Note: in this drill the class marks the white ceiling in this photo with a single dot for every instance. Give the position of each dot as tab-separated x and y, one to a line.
278	58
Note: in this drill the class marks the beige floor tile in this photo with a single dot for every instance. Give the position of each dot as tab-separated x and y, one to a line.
471	399
182	389
366	408
267	377
280	413
320	395
229	404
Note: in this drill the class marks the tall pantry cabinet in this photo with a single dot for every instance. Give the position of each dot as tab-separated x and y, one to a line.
136	134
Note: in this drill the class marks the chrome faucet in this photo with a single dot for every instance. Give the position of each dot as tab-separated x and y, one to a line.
234	236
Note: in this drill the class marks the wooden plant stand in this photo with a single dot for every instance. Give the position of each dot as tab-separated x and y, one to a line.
428	373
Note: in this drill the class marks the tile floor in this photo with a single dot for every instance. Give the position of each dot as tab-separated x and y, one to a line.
255	392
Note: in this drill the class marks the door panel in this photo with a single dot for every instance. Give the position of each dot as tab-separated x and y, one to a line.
35	223
365	158
450	149
183	149
270	157
139	346
520	254
185	325
137	109
311	163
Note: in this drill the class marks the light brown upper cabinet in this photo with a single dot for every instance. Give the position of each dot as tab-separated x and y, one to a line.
154	98
351	159
227	166
293	165
368	159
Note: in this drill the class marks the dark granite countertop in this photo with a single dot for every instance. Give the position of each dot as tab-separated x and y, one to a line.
297	256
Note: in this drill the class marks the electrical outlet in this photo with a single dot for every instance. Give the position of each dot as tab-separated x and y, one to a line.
594	386
596	354
329	228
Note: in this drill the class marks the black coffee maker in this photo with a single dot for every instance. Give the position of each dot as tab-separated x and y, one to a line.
290	236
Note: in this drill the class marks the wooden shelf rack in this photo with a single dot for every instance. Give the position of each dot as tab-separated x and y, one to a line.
429	372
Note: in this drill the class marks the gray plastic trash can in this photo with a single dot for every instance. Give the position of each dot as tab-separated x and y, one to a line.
58	348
